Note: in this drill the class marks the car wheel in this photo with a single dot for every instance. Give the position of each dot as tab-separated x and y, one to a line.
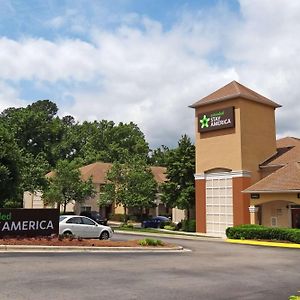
104	235
67	233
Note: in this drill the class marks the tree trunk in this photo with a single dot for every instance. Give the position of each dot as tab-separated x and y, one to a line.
65	206
125	214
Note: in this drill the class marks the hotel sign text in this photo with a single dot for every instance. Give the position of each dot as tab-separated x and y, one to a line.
217	119
28	222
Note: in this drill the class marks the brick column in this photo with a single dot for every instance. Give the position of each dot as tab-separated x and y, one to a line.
200	205
241	201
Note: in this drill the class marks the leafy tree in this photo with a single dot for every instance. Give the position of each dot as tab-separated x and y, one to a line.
159	156
179	190
66	185
9	169
101	141
35	128
130	184
33	170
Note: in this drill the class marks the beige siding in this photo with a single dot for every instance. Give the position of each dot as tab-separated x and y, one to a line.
279	211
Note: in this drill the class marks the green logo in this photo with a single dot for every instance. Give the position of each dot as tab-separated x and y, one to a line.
204	122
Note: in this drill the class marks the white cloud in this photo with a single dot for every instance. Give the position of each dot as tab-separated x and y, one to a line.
9	97
265	51
140	72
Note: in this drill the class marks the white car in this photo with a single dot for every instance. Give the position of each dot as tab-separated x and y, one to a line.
84	227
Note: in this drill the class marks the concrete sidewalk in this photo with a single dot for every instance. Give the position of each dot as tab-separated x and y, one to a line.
64	249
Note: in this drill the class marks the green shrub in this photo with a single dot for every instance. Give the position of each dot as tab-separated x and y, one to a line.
259	232
117	217
150	242
170	227
188	225
126	226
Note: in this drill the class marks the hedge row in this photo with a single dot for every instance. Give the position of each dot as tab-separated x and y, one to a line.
188	225
259	232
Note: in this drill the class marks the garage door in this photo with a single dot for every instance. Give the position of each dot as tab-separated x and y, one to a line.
219	208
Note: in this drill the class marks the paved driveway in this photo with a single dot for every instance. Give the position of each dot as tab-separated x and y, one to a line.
213	270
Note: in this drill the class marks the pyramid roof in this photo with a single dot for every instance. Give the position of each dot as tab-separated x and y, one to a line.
231	91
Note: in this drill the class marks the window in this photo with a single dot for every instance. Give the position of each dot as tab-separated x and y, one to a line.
74	220
86	208
87	221
61	218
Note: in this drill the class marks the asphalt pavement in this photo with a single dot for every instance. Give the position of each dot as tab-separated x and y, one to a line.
212	270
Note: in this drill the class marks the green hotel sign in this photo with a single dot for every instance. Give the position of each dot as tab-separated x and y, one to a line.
217	119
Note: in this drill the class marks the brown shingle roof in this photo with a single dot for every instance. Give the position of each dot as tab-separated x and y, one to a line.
98	171
287	142
288	150
95	170
159	174
234	90
285	179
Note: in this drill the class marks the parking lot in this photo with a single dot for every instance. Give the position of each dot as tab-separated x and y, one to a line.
212	270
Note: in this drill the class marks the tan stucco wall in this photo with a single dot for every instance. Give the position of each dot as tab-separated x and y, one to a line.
258	135
119	209
265	198
178	215
277	209
35	200
276	205
241	148
220	148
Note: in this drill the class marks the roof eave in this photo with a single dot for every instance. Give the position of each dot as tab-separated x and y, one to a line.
247	97
270	191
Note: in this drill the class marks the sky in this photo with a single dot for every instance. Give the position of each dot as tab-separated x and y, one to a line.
146	61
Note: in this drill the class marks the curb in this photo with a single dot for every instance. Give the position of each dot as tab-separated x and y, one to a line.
172	236
264	244
25	248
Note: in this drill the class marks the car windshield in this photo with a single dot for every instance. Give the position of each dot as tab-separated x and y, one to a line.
163	218
61	218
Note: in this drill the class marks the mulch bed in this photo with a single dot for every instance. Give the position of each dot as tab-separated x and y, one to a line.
72	242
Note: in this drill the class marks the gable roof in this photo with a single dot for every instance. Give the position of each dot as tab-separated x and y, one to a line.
98	171
288	150
231	91
285	179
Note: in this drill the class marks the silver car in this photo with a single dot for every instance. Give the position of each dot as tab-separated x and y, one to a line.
84	227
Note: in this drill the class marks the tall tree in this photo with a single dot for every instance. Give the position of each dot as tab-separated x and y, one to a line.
33	170
130	184
35	128
66	186
159	156
9	170
179	190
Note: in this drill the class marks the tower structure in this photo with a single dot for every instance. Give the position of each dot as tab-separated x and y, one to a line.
235	132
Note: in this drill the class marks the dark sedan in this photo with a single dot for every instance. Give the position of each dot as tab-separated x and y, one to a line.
94	215
156	222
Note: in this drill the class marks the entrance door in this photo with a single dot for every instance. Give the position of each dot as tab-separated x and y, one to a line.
296	218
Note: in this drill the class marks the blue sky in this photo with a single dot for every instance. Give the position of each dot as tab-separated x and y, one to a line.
146	60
